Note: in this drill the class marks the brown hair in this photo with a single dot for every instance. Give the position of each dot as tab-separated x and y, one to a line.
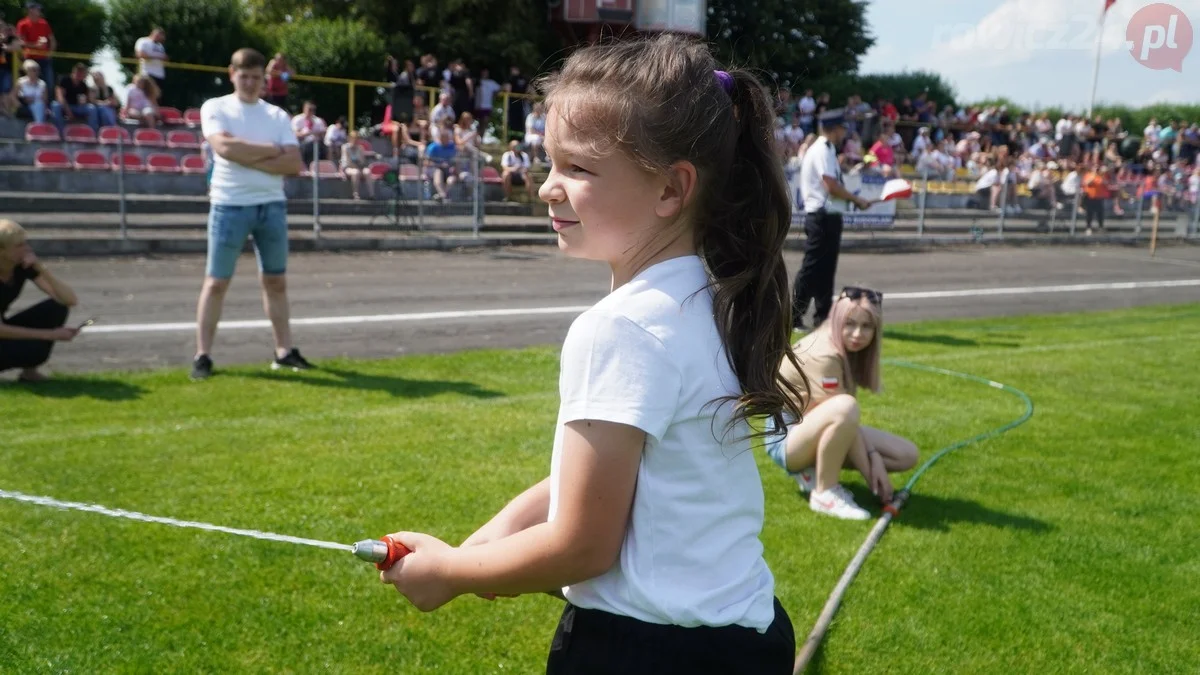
247	58
659	101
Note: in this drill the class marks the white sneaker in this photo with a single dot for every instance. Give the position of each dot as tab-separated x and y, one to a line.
837	502
806	479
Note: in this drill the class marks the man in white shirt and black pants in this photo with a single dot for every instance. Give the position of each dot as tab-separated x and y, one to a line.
253	149
825	199
152	55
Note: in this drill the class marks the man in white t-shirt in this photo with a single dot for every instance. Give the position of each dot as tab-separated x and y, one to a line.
253	149
309	130
793	136
921	144
825	198
1151	133
807	106
444	110
485	96
153	56
514	167
937	162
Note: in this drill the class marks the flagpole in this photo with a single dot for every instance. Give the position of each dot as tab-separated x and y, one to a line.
1096	65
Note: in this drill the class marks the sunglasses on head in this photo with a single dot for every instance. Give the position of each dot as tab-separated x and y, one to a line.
858	292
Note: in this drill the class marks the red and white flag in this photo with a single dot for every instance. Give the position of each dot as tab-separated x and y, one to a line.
897	188
829	383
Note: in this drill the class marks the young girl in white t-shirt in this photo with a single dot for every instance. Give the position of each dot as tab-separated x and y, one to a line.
663	167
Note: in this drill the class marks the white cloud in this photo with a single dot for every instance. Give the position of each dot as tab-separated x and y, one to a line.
1020	31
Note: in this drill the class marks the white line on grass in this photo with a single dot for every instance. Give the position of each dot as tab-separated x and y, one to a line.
576	309
134	515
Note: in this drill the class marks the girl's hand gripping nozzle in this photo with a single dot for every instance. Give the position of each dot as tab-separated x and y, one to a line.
383	552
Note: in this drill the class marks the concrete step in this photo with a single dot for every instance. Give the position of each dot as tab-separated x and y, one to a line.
28	179
46	202
381	221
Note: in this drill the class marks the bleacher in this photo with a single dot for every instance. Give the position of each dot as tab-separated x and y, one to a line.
167	162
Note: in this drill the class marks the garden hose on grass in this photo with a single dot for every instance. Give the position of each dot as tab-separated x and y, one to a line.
892	508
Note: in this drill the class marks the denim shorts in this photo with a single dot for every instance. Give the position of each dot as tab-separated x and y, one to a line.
776	443
228	228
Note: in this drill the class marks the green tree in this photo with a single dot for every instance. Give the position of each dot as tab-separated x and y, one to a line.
333	48
890	86
793	41
490	34
78	24
205	33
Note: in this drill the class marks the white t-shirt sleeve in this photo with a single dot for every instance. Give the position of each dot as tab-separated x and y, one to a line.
140	47
212	122
284	133
615	371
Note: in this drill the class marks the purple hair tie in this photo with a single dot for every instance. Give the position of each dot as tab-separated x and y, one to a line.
725	80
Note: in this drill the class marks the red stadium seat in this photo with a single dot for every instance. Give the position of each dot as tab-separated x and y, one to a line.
490	175
91	160
170	115
160	162
377	169
182	139
409	172
79	133
41	132
193	164
152	138
110	135
51	159
192	117
130	160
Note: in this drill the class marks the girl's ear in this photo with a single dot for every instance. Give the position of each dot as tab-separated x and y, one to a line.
679	190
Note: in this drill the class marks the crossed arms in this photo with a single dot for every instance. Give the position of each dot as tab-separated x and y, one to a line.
272	158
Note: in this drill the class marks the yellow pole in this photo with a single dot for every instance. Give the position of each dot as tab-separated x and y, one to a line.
351	115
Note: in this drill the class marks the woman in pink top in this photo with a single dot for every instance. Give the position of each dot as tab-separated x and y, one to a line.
883	152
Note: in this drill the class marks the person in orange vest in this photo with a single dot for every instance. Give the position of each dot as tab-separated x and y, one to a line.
1096	191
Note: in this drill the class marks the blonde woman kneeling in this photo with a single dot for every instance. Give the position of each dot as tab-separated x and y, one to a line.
837	358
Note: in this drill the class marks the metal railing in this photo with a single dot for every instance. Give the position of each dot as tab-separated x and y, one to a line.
1128	209
503	98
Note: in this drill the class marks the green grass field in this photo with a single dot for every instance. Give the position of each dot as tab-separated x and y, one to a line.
1066	546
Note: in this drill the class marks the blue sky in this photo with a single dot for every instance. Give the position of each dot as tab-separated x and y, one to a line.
1035	52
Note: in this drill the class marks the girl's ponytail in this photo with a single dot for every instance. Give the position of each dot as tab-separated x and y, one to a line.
742	245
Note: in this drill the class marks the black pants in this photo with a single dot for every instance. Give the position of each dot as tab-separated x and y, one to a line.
1094	209
163	97
814	281
47	314
591	642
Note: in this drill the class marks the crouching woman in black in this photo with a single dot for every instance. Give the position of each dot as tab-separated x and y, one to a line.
26	338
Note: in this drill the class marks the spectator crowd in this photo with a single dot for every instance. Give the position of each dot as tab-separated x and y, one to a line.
1072	158
1061	161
